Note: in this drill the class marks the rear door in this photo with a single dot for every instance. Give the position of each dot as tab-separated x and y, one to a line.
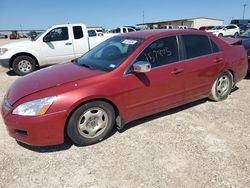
160	88
57	45
204	61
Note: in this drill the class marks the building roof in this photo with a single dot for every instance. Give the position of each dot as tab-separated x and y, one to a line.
189	19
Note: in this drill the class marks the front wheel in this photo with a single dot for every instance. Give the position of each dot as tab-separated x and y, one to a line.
91	123
222	87
236	35
23	65
220	35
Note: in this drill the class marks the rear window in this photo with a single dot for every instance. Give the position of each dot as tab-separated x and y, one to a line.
77	30
196	45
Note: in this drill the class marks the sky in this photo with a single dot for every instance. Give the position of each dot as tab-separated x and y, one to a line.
41	14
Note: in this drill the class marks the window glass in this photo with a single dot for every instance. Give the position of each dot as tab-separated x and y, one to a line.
77	30
161	52
91	33
58	34
215	47
196	45
124	30
130	30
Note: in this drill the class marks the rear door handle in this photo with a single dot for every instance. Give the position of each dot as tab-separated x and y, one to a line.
218	60
177	71
68	43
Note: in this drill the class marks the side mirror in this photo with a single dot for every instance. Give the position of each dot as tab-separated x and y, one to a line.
141	66
46	39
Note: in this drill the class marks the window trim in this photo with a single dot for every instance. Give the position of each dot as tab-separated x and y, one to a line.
57	28
126	72
210	43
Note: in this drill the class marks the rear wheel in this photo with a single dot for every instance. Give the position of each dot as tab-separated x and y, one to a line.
220	35
23	65
91	123
222	87
236	34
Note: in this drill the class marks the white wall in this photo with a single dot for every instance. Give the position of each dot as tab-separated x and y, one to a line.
206	22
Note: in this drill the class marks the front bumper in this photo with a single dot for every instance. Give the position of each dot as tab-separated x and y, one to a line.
38	131
5	63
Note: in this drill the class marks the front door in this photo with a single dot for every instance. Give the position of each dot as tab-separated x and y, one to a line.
57	46
162	87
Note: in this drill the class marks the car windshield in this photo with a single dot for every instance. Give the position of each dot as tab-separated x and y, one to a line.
108	55
246	34
217	27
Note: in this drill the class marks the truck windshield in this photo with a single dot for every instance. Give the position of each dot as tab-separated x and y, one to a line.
108	55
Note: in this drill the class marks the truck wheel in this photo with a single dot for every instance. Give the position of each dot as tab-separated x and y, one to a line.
91	123
222	87
23	65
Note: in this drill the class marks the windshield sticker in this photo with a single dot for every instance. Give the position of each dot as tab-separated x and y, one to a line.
112	66
129	42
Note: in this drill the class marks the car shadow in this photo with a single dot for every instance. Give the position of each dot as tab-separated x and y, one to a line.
48	149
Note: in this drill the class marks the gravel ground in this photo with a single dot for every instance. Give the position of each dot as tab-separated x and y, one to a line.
202	144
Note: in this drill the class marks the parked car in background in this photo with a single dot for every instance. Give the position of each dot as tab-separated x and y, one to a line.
14	35
3	36
229	30
240	22
95	32
33	35
127	77
215	28
60	43
123	30
183	27
245	37
169	27
244	28
205	28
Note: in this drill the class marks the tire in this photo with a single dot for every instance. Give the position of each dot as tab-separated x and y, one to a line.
23	65
222	87
220	35
236	35
86	127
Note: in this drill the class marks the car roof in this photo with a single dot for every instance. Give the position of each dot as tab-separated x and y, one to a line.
159	32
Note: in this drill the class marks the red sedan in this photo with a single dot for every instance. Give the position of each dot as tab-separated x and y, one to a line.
126	77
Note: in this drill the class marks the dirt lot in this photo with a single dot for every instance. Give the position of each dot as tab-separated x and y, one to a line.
202	144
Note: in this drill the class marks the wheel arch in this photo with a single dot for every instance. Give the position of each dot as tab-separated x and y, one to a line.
117	112
20	54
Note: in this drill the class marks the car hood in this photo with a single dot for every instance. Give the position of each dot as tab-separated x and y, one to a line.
46	78
27	43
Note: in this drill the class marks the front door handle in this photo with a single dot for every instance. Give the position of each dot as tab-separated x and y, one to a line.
218	60
68	43
177	71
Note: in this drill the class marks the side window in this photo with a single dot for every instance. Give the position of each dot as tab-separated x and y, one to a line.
215	47
91	33
196	45
124	30
130	30
77	30
58	34
161	52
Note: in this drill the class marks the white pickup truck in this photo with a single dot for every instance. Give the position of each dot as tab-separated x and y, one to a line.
60	43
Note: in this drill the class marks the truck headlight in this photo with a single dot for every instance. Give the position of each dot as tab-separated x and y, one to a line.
34	108
3	50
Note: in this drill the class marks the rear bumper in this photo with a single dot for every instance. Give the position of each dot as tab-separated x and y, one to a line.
38	131
5	63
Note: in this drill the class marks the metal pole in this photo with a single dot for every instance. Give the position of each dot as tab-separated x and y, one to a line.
244	7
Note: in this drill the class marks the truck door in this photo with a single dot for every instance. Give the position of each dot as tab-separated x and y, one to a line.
80	41
57	46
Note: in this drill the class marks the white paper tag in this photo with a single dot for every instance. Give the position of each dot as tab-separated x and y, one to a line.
129	42
112	66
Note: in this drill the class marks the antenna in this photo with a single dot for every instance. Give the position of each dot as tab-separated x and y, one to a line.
143	16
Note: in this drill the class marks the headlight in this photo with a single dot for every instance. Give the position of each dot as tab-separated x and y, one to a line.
34	108
3	50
